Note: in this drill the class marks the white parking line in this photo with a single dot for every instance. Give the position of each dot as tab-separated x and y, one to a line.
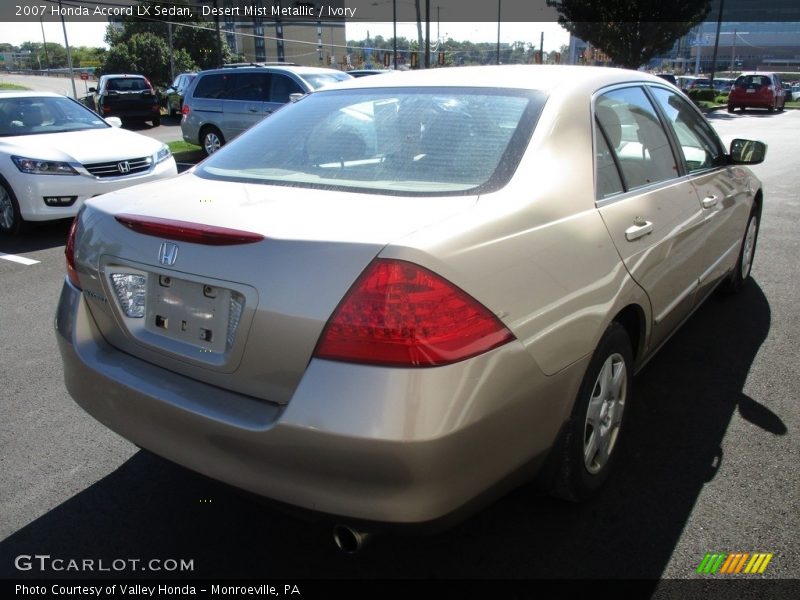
18	259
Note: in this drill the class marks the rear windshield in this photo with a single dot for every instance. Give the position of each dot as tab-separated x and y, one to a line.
395	141
752	81
127	84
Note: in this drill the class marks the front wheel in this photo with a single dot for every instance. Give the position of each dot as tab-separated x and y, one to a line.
11	221
741	273
591	437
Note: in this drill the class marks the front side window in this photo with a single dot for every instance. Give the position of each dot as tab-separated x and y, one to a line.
395	141
282	87
640	144
699	144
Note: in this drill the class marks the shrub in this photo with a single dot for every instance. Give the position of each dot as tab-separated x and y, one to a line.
703	95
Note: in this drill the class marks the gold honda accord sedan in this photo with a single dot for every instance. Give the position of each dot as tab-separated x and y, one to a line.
396	298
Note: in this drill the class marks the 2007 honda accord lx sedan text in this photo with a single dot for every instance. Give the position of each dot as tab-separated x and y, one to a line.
393	300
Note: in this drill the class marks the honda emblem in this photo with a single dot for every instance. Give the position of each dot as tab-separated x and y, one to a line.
124	166
167	254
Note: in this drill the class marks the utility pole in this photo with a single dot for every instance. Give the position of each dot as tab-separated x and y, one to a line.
498	31
541	46
427	34
69	55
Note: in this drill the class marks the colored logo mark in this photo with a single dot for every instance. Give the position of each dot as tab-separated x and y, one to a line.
738	562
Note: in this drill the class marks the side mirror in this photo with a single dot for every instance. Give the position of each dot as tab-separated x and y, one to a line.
92	89
747	152
114	121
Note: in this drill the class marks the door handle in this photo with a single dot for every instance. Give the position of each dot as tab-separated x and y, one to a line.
638	229
252	109
710	201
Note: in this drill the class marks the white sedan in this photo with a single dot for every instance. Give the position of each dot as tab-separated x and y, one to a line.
55	153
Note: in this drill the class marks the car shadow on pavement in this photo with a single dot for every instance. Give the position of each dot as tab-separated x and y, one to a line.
685	400
40	236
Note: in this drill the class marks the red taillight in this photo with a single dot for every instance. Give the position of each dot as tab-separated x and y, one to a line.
184	231
69	252
185	110
400	314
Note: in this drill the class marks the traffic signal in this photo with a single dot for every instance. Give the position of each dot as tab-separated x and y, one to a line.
440	60
387	59
414	60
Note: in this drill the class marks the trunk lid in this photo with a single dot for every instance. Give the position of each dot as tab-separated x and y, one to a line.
245	317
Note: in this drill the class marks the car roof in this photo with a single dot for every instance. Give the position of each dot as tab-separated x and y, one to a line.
298	69
124	75
545	78
28	94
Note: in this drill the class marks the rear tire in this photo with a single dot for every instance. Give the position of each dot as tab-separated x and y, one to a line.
156	122
11	221
211	140
591	437
741	273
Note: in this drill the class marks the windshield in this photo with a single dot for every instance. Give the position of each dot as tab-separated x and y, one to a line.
397	141
32	115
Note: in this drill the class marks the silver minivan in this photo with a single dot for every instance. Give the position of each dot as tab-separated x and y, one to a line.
222	103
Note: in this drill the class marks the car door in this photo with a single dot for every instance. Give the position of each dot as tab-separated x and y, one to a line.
722	196
246	103
651	210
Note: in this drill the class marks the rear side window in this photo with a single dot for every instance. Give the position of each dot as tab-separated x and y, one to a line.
637	139
211	86
248	86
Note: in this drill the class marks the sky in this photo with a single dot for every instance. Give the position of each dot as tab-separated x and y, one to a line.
91	34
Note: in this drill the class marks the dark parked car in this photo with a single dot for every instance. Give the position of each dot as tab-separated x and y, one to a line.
668	77
129	97
177	91
757	90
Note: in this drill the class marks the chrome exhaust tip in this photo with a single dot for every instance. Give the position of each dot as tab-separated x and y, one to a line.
349	540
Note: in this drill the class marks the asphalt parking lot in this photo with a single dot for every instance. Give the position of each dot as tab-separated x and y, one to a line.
709	462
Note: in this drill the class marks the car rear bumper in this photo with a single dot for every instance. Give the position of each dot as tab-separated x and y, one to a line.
741	101
144	112
374	444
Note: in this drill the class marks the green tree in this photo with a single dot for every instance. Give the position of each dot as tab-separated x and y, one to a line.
194	35
146	54
631	32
